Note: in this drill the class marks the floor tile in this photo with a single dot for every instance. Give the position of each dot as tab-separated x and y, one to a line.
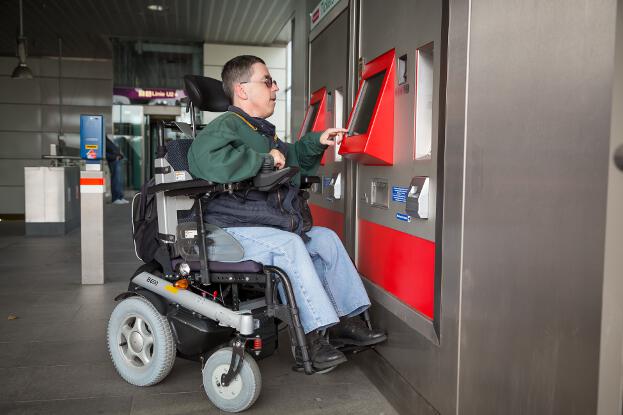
110	405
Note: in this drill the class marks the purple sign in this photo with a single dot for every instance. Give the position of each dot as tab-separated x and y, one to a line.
141	94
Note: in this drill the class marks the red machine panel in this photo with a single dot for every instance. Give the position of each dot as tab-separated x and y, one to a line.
328	218
370	138
316	116
402	264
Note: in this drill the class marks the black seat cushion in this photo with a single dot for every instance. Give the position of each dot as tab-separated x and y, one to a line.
206	93
177	154
216	266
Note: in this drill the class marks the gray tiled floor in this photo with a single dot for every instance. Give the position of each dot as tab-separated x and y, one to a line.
53	357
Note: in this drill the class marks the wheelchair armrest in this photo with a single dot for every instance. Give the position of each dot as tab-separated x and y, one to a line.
307	181
268	180
196	187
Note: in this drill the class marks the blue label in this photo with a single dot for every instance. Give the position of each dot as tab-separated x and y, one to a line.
403	217
326	182
399	194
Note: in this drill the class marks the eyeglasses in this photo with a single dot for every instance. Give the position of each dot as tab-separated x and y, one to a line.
268	81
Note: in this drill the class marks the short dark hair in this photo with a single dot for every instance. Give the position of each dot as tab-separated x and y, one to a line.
237	70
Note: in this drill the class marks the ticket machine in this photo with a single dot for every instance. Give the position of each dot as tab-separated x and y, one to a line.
328	108
393	153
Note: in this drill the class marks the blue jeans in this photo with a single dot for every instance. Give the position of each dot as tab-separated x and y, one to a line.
326	284
116	179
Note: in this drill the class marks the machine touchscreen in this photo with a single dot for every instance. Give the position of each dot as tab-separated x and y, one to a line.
312	112
365	104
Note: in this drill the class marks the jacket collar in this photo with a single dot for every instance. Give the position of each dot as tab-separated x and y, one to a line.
260	124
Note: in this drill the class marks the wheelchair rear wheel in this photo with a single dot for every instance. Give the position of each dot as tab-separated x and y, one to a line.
140	342
243	390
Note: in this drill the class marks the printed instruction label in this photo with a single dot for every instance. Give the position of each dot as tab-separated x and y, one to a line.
399	194
180	176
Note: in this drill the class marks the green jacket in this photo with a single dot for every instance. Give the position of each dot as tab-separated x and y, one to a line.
230	150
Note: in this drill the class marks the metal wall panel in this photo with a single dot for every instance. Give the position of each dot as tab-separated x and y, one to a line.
535	191
19	117
77	92
20	145
23	92
12	199
77	68
611	354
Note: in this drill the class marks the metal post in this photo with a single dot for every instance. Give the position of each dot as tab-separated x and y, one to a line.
92	224
92	150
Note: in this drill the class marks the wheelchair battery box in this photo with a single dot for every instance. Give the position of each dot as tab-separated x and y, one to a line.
266	331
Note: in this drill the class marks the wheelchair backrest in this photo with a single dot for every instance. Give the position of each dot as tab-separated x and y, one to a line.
177	154
206	94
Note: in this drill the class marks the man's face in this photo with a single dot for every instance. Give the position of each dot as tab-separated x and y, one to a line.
261	92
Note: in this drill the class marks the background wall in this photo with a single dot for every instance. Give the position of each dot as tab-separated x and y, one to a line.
29	115
215	56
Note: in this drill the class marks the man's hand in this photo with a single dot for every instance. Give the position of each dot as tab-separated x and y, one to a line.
279	158
332	136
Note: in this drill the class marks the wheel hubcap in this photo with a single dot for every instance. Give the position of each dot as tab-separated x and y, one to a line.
228	392
136	341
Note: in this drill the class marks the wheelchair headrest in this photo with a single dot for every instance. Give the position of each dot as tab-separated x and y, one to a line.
205	93
177	154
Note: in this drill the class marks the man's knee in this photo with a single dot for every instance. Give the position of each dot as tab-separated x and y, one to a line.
293	241
325	233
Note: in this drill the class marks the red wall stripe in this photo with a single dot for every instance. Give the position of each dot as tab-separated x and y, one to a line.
329	219
401	263
85	181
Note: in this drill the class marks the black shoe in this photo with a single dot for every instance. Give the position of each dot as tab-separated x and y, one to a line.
322	354
355	332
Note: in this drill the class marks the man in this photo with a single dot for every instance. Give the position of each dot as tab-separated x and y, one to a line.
114	157
270	226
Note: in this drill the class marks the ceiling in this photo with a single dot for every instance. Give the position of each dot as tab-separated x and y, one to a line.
86	26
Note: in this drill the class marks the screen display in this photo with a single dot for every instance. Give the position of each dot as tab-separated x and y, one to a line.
312	112
365	104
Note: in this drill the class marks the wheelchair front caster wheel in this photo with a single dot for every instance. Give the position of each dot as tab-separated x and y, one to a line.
140	342
243	390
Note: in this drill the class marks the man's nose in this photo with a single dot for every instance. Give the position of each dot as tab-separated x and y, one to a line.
275	87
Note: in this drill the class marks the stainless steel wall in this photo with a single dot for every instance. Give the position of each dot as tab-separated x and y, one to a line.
536	168
29	116
611	352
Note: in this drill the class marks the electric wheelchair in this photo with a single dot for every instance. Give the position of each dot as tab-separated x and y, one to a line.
194	298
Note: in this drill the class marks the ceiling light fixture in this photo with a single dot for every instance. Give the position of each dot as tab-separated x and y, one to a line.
21	71
155	7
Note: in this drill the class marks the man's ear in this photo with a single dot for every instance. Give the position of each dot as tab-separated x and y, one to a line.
240	93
